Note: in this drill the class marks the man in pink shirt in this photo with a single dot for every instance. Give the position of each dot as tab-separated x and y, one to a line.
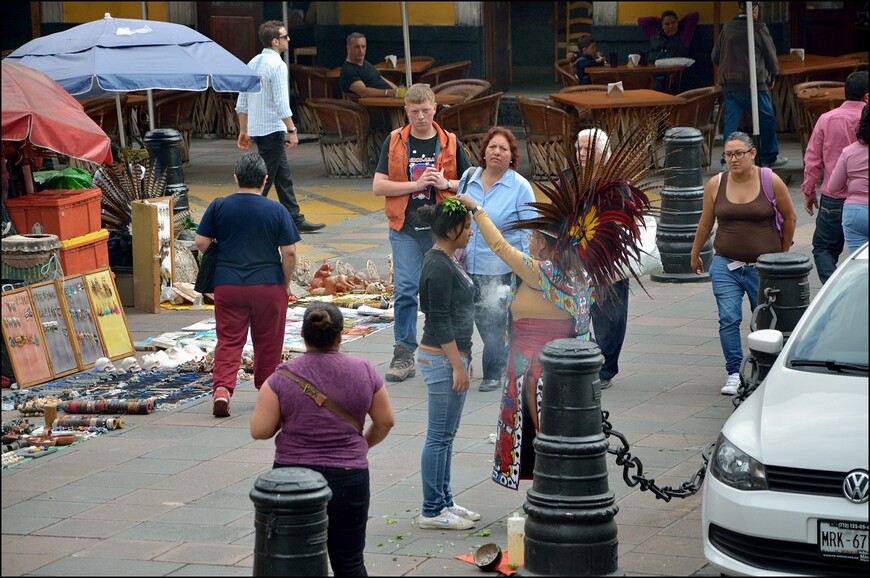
834	131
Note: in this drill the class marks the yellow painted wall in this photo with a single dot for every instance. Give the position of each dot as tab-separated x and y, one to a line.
629	12
390	13
80	12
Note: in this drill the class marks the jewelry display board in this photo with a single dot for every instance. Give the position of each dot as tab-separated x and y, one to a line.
57	328
24	339
109	315
76	303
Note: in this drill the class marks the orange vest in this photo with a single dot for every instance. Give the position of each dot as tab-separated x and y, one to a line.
397	165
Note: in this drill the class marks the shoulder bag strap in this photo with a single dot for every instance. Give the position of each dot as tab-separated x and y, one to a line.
321	400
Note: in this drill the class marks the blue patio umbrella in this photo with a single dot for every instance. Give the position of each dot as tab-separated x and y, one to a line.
116	55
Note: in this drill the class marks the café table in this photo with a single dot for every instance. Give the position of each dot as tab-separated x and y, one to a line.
792	72
618	114
387	113
637	77
812	102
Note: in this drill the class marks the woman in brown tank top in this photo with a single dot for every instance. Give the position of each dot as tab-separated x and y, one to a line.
746	229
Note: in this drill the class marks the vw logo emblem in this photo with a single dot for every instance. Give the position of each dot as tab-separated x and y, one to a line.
856	486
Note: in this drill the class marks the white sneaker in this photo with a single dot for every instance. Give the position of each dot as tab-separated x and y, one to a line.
444	521
731	384
462	512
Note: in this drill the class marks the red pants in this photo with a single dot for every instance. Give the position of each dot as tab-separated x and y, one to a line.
263	308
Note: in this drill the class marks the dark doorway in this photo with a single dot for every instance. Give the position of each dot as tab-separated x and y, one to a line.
497	34
233	25
827	28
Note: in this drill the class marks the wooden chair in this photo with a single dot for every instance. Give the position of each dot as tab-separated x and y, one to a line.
470	121
344	130
470	87
573	21
584	114
104	112
566	71
309	82
811	110
550	132
445	73
700	111
630	81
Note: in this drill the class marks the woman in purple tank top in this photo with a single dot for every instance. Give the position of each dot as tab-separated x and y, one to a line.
319	438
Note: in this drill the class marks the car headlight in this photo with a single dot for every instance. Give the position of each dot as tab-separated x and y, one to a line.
734	467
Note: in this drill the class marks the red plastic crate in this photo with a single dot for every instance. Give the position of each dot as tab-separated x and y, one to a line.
66	213
85	253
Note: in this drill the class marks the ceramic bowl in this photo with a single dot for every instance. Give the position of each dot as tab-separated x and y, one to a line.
488	557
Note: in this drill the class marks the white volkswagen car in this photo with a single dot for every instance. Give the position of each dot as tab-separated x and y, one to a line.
787	486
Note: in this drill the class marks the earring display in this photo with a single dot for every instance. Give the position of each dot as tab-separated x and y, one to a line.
108	314
25	341
57	328
75	302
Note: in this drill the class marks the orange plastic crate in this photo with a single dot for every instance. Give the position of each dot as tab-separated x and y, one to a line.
66	213
85	253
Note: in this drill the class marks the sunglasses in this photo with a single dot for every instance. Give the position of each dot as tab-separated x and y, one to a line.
285	37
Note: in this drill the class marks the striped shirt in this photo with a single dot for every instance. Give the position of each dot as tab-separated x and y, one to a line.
267	108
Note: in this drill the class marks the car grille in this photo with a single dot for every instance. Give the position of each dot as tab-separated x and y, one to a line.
798	481
781	555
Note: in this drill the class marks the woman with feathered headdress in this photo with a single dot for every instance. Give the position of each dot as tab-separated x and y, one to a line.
582	239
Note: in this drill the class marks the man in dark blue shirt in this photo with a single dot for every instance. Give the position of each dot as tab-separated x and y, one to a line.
358	75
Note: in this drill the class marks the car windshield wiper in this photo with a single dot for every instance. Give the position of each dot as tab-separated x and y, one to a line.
829	364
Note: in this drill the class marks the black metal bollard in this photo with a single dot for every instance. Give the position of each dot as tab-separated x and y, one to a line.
682	199
570	530
164	149
290	523
784	280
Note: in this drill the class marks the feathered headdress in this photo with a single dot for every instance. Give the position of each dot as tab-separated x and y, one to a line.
596	212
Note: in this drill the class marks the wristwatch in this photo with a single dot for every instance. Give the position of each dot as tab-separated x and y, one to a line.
294	130
474	210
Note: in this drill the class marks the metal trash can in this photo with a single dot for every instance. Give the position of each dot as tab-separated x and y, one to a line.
290	523
164	150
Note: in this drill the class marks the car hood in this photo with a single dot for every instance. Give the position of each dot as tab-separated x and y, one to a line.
804	420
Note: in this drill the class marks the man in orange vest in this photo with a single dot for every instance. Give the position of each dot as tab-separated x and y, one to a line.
420	164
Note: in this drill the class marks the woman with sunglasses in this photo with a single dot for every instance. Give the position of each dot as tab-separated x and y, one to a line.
746	228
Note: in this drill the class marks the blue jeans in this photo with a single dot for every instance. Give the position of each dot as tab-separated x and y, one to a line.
855	226
728	288
490	316
609	320
445	411
408	254
271	148
828	237
348	512
736	103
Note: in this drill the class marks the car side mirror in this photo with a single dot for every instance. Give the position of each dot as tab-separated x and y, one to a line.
765	342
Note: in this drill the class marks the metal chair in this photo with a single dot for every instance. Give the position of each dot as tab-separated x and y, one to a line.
309	82
470	87
549	132
700	111
344	130
445	73
811	110
470	121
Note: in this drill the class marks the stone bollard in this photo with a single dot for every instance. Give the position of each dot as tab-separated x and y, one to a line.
164	149
570	530
290	523
682	200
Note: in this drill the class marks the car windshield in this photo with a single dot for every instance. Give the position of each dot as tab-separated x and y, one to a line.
834	339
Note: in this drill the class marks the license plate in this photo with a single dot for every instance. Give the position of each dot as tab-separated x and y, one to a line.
844	540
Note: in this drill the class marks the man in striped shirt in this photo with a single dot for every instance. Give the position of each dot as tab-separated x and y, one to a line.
265	118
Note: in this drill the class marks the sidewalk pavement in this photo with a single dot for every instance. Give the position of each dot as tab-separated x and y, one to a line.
168	494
